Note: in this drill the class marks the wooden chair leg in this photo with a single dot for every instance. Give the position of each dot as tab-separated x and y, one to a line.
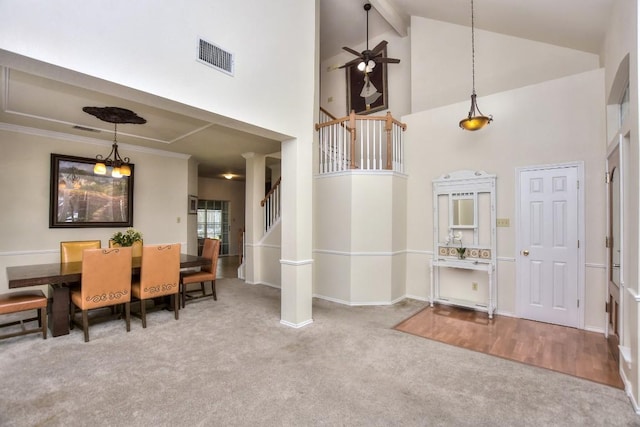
213	289
85	324
43	316
184	294
143	313
127	315
202	288
175	302
72	315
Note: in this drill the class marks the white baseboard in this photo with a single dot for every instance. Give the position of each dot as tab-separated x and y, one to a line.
296	325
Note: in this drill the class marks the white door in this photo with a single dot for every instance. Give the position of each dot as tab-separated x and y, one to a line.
547	261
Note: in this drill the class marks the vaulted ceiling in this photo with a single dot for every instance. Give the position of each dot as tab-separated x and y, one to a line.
217	143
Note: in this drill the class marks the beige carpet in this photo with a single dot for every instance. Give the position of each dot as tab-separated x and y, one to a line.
231	363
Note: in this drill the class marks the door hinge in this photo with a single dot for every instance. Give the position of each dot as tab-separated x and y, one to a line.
578	303
578	244
606	307
578	184
607	178
606	241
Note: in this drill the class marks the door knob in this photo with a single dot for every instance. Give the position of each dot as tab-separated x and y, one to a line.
525	252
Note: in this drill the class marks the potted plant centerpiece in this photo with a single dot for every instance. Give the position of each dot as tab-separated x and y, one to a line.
131	237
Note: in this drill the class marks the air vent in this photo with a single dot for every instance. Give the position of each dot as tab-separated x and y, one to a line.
216	57
86	129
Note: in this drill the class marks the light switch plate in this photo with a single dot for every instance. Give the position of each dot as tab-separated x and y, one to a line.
503	222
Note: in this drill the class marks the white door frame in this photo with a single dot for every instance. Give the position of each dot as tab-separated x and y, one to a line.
581	233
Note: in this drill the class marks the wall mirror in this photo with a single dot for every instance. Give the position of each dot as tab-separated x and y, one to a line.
463	213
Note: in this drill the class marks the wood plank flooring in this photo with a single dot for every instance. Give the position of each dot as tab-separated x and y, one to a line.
568	350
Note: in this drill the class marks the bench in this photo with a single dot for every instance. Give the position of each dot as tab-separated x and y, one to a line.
17	302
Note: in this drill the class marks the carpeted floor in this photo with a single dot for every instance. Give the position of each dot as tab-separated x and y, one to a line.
568	350
231	363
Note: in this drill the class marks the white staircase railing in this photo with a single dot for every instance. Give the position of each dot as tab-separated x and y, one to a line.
271	206
361	142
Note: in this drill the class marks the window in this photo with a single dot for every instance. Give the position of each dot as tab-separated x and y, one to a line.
213	222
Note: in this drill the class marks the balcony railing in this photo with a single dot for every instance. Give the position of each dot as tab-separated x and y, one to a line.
360	142
271	206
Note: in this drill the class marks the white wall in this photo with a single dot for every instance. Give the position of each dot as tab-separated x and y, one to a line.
441	63
151	48
233	192
563	121
25	176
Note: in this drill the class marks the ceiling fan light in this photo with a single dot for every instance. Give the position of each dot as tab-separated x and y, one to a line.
362	66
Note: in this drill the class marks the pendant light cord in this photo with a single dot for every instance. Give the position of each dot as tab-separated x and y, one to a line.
473	53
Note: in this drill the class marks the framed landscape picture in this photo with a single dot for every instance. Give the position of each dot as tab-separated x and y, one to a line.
80	198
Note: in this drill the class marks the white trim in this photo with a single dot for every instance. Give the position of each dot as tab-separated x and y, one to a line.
506	259
262	245
296	263
417	298
581	206
343	253
634	294
628	389
594	265
296	325
594	329
36	252
86	140
506	313
368	172
419	252
363	303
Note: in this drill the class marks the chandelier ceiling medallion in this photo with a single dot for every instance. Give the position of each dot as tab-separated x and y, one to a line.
120	166
475	120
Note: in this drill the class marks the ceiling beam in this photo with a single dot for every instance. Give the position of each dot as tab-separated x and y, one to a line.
388	10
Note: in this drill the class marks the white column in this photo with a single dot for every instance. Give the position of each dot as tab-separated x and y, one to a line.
254	193
296	255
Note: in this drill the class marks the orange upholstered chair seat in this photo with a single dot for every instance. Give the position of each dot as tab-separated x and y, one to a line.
72	251
207	273
17	302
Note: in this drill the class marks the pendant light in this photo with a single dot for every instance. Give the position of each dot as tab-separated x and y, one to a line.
475	120
120	166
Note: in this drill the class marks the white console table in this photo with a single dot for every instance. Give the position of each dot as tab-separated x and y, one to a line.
466	264
464	234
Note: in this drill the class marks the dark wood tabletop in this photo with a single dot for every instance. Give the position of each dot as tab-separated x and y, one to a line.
70	272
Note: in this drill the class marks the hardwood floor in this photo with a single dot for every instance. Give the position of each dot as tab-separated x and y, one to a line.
571	351
227	267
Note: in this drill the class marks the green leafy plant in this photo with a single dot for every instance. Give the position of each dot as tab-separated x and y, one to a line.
128	238
461	252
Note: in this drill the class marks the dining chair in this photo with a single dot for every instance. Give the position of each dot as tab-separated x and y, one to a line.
106	281
207	273
159	277
71	251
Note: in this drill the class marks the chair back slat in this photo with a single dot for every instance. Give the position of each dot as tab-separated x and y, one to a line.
211	250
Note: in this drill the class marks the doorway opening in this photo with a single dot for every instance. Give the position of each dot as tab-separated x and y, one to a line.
213	222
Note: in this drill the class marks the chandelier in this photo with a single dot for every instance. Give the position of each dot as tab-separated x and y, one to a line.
475	120
120	166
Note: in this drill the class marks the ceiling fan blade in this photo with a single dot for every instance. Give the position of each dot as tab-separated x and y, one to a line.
379	47
348	49
387	60
351	63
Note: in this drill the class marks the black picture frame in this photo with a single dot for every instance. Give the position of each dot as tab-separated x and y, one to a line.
356	80
193	204
79	198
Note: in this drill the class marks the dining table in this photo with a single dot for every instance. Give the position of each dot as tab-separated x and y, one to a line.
63	275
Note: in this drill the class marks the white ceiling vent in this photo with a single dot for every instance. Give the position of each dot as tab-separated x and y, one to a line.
215	56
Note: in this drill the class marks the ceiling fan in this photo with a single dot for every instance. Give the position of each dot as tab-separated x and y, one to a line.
367	59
